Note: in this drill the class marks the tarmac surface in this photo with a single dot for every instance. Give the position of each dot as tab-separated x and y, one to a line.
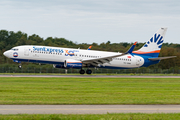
87	109
92	76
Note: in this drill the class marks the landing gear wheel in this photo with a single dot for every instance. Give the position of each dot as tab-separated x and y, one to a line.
81	71
88	71
19	66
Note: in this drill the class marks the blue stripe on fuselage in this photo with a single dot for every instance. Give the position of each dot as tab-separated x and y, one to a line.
38	61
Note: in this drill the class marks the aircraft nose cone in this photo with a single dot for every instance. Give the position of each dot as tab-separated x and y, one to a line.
5	53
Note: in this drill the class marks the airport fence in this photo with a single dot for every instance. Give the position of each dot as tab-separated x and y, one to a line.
95	71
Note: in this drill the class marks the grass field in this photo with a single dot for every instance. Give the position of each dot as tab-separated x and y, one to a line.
129	116
89	90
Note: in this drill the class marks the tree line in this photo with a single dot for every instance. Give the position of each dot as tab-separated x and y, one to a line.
9	39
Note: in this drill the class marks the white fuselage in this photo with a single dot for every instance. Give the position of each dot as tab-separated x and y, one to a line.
57	55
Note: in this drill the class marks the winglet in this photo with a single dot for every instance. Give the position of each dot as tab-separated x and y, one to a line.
131	48
89	48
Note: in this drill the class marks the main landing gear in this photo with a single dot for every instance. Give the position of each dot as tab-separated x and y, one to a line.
88	71
81	71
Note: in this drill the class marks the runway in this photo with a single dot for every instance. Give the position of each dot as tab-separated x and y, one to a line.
92	76
87	109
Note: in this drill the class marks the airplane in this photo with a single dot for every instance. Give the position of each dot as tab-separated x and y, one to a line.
66	58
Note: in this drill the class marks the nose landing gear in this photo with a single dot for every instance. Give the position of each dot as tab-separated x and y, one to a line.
19	66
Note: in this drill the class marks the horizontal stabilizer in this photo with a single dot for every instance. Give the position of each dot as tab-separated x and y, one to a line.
161	58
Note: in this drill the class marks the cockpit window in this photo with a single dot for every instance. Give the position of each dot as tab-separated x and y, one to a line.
14	49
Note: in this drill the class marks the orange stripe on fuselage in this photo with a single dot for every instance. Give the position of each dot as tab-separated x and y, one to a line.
141	52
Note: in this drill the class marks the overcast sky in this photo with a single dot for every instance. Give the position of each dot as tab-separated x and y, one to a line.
88	21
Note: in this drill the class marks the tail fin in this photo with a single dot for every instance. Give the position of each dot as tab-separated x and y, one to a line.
153	46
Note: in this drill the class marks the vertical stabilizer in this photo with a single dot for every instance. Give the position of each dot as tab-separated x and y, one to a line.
153	46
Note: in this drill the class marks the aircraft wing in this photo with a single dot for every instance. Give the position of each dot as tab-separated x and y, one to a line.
101	61
107	59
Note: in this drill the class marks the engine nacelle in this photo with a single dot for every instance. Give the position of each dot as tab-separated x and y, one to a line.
70	63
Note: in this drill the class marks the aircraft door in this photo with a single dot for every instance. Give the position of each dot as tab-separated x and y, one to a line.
76	55
137	61
26	51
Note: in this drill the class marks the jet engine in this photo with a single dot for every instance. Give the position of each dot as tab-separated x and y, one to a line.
70	63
